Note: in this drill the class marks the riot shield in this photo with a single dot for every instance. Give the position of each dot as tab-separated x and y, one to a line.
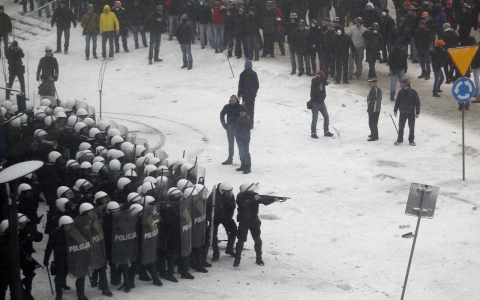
150	220
112	124
158	153
201	175
124	131
124	238
161	190
185	227
91	112
97	239
81	104
199	215
79	250
132	137
142	142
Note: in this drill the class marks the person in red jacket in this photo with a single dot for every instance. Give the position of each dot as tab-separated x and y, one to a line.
219	11
279	36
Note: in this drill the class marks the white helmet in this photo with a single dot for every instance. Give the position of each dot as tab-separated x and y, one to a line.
139	150
130	173
7	104
82	183
163	171
113	132
148	200
133	197
190	192
103	126
101	151
118	154
13	110
225	187
48	120
16	122
110	153
70	104
182	184
147	186
60	204
179	162
141	162
185	168
40	132
162	182
22	218
72	120
28	105
122	182
125	146
82	113
112	206
64	192
89	121
61	114
116	139
97	166
71	163
249	187
114	165
53	156
79	126
168	162
84	146
65	220
23	188
129	166
150	179
84	207
149	155
100	195
174	191
200	188
3	226
86	165
93	132
99	159
135	209
154	161
149	169
45	102
57	110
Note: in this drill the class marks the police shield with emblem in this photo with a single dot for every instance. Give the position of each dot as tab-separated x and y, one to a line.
79	250
150	219
185	227
124	238
97	239
199	214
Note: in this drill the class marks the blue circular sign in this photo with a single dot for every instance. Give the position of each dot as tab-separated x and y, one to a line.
463	89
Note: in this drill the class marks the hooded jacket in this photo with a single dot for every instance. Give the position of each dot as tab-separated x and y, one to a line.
341	44
301	41
317	90
438	58
63	17
397	60
108	21
407	101
248	83
5	24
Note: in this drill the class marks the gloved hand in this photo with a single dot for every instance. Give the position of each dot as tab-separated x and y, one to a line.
224	126
45	263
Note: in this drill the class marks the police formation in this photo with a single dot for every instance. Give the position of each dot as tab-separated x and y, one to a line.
112	201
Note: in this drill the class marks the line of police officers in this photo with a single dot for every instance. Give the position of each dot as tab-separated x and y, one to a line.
117	202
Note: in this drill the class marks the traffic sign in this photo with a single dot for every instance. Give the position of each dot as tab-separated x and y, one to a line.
422	198
462	57
463	89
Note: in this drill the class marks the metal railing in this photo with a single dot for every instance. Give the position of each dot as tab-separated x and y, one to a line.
26	15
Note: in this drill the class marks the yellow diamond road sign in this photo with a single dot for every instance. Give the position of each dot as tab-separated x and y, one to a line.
462	57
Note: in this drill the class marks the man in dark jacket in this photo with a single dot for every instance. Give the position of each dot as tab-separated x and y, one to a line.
173	9
341	7
248	86
397	62
90	22
438	57
369	15
232	110
374	42
327	51
317	96
248	202
252	27
47	87
341	44
422	42
203	15
290	28
465	23
409	105
374	104
386	26
5	29
224	210
268	24
137	20
156	25
400	34
187	7
451	40
302	49
184	37
314	44
124	22
48	65
242	134
240	34
14	55
230	17
63	16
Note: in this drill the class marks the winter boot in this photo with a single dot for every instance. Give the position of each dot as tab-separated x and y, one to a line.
150	62
187	275
236	262
158	60
107	293
184	66
314	136
227	162
259	261
421	76
189	67
57	51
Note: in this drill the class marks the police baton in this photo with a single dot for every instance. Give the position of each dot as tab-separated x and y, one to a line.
49	279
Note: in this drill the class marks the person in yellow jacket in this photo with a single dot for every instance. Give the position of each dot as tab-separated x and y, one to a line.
108	27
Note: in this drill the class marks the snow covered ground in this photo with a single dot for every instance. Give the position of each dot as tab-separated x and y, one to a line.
339	237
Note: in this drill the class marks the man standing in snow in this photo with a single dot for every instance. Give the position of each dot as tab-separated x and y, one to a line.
108	28
156	24
89	23
232	110
5	29
184	37
242	135
123	21
409	105
247	88
63	16
374	104
48	65
16	68
317	96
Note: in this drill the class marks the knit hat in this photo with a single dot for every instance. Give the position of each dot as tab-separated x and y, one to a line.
242	108
320	73
446	26
440	43
248	64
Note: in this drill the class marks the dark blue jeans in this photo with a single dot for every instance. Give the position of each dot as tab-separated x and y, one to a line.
252	46
293	57
411	125
322	108
154	45
231	140
91	36
303	57
424	61
66	32
244	151
141	29
439	78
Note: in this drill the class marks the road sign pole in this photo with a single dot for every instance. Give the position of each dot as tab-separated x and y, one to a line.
414	241
463	139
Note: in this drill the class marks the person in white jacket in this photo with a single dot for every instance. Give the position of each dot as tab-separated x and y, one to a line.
356	33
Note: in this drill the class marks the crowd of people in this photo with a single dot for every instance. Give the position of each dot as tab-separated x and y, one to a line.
116	188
